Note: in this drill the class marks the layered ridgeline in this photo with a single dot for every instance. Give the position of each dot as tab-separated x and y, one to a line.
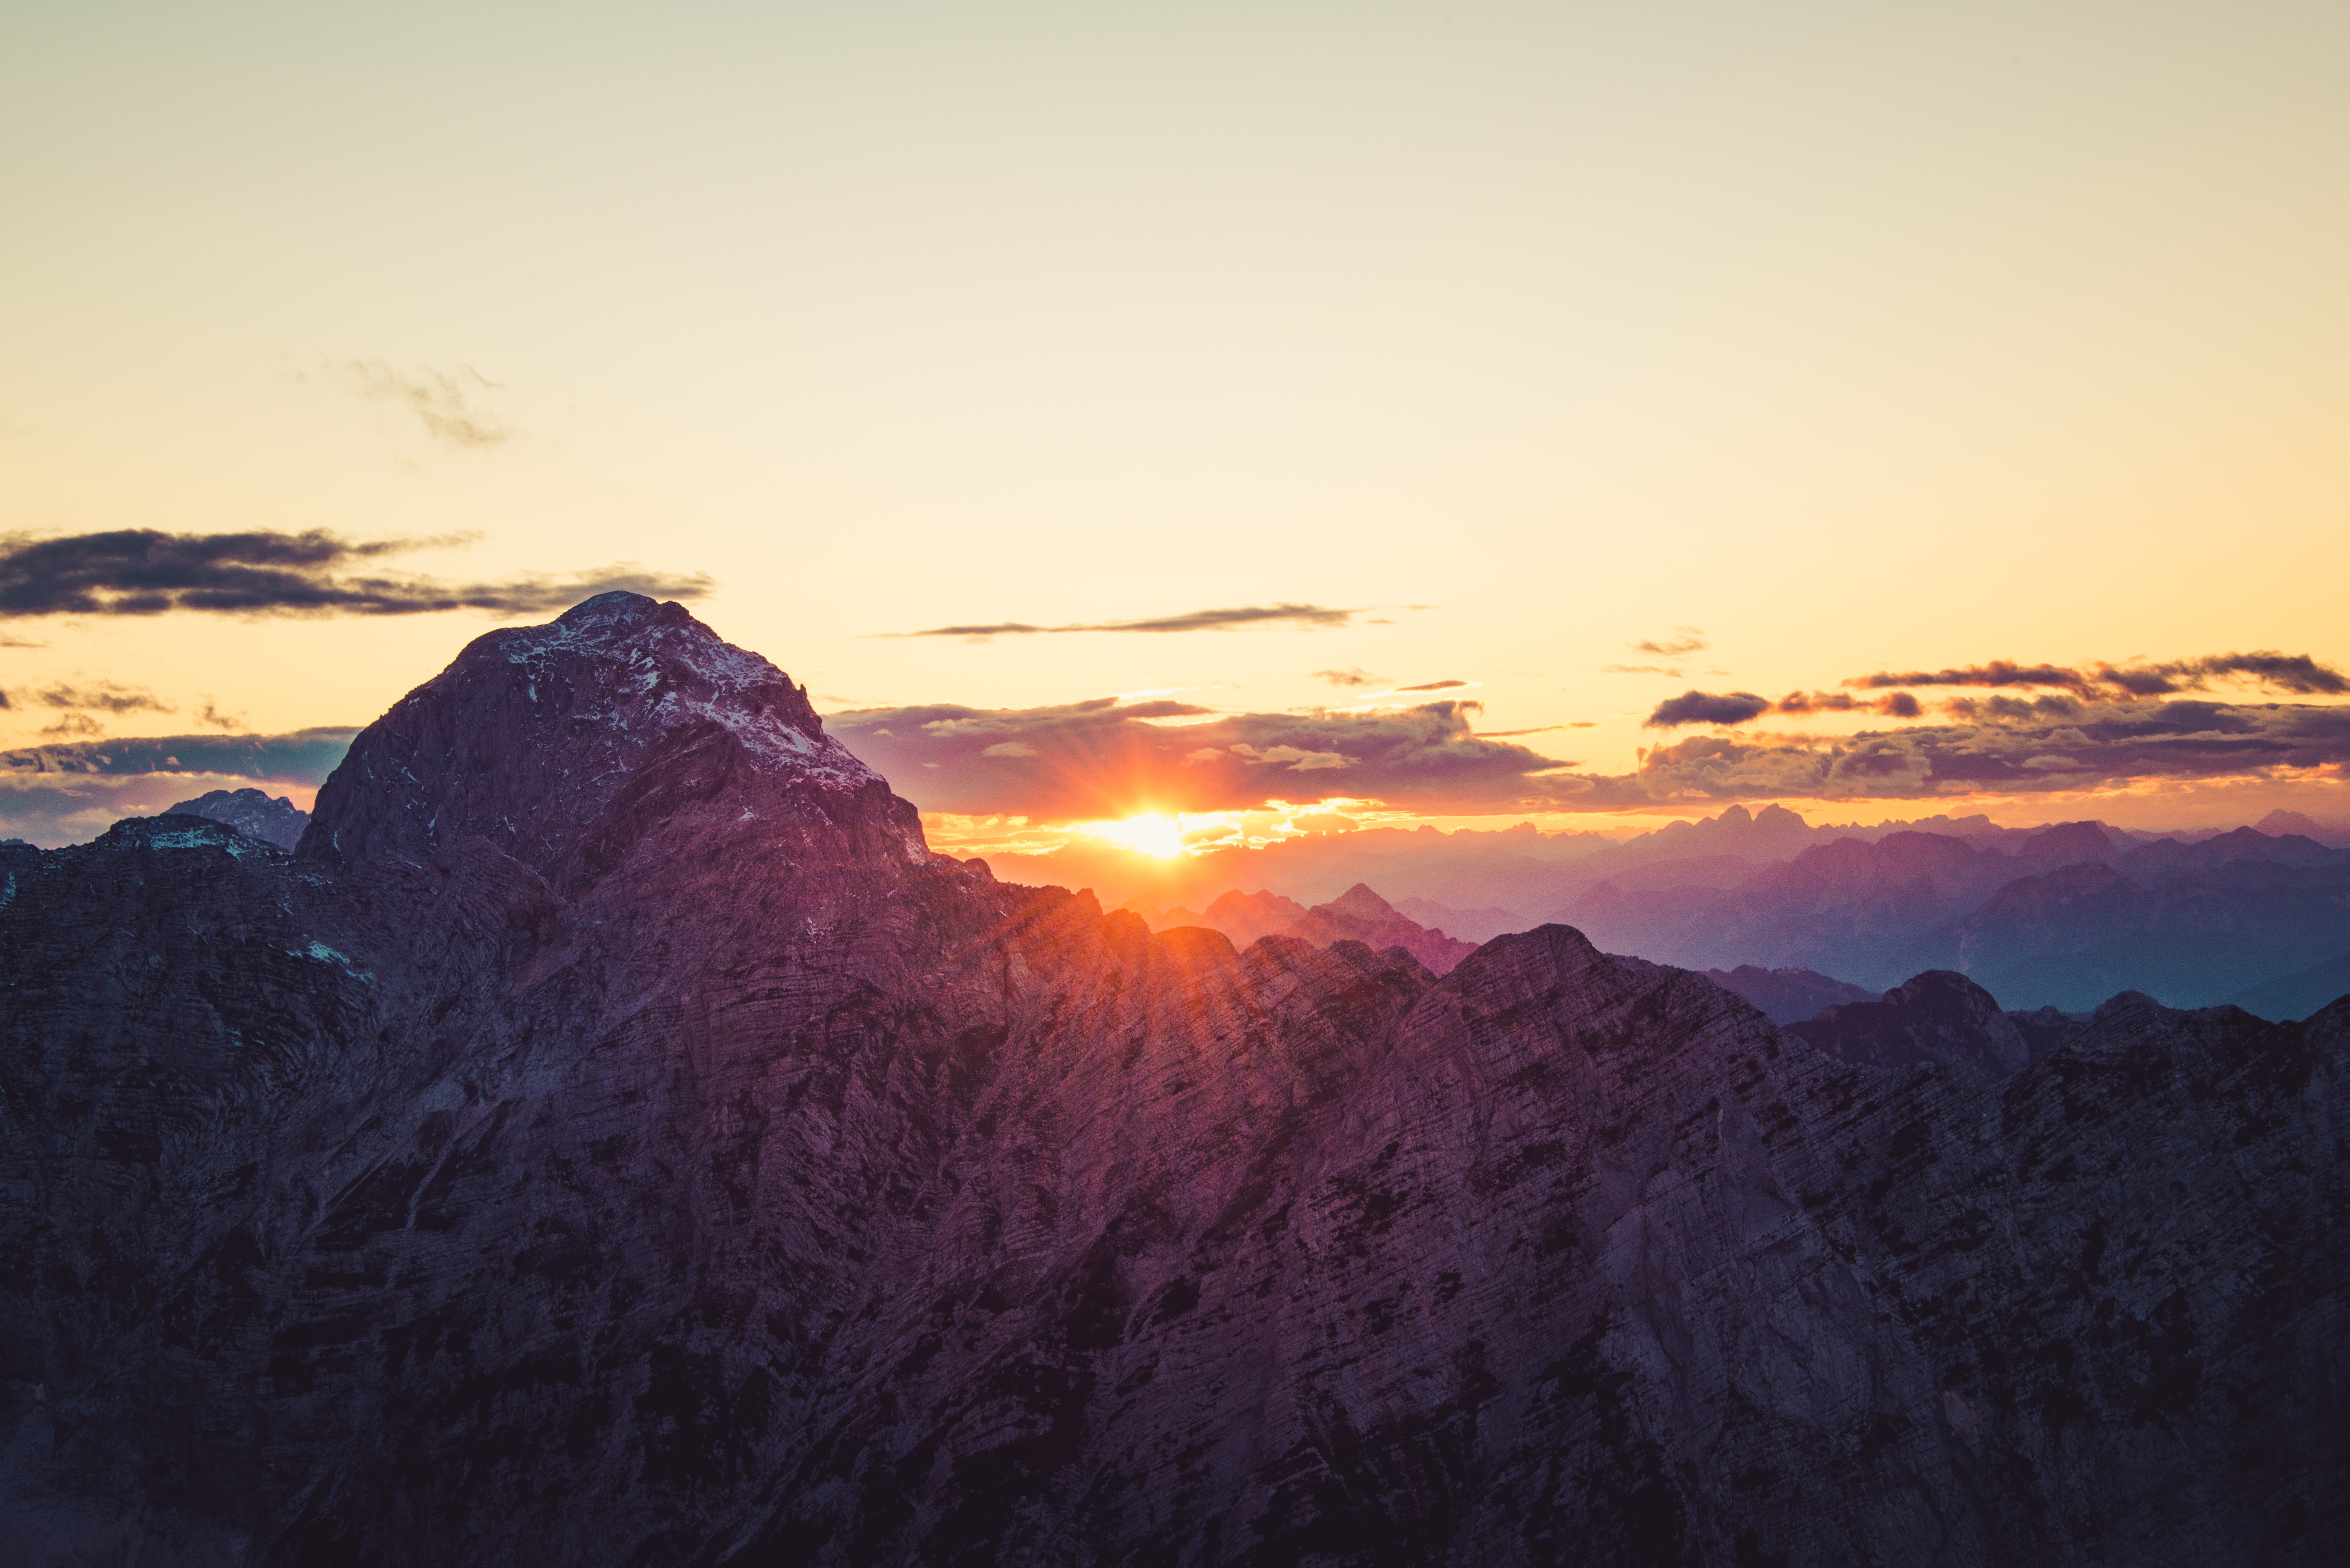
612	1139
2065	917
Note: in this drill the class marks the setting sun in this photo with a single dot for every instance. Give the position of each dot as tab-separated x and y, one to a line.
1149	833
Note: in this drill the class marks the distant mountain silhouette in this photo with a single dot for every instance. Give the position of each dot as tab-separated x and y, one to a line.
2075	914
1468	925
2282	824
1358	915
2300	994
1788	995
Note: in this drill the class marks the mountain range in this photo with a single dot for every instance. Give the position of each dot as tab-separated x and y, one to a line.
613	1136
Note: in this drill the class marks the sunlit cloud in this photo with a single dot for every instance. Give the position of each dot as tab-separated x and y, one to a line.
1096	761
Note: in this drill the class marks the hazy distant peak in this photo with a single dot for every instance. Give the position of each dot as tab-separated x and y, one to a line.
1360	903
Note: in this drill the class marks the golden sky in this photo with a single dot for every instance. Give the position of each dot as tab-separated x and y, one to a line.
1837	339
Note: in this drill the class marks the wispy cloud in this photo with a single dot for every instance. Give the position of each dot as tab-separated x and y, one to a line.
1349	677
103	696
445	402
1435	686
1689	640
1308	615
143	571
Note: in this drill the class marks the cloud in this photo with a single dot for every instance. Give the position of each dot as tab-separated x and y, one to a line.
1346	677
1998	673
1706	708
1308	615
1094	760
1434	686
1893	704
142	571
443	401
104	697
2020	747
210	715
74	724
1690	640
2295	673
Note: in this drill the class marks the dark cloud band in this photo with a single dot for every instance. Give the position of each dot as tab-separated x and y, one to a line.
143	571
304	756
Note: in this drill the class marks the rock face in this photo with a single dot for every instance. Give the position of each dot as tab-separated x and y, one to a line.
703	1174
252	813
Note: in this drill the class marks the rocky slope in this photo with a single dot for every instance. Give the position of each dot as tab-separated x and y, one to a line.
612	1140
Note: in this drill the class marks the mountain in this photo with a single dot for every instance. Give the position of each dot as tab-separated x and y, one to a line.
2076	936
1787	995
252	813
1359	915
1246	916
1362	916
2076	913
1937	1018
1849	906
2301	993
1468	925
613	1138
2282	824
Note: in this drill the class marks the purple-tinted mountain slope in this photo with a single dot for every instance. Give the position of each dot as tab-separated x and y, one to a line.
614	1140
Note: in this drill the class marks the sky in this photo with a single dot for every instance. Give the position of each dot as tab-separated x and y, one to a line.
1596	358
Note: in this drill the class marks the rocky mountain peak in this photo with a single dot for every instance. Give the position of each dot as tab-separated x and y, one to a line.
252	813
563	744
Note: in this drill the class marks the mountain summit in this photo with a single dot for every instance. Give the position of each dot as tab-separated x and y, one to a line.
568	745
